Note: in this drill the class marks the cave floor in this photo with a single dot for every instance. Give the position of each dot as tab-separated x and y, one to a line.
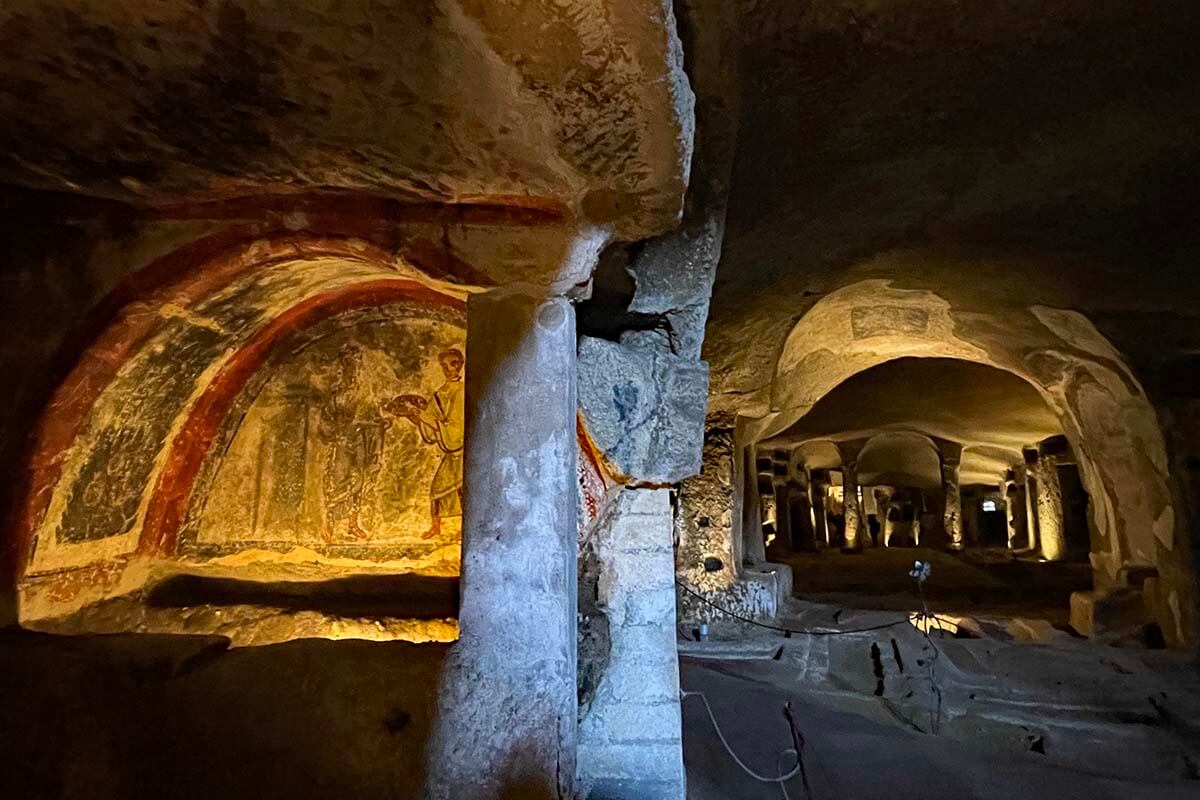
1010	719
315	718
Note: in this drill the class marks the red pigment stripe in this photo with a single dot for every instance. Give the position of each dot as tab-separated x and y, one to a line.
169	502
182	277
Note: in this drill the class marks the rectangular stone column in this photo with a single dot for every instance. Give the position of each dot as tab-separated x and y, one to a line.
630	740
800	518
820	489
1012	512
783	514
952	515
852	509
754	549
1032	533
1051	535
507	723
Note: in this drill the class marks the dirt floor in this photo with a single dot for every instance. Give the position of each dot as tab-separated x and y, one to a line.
146	716
892	714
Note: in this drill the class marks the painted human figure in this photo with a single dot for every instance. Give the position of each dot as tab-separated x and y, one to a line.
353	428
439	419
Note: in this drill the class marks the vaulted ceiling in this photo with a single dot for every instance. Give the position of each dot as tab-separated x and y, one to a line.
1001	154
991	412
575	105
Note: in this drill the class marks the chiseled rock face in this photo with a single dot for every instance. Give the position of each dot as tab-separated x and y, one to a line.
576	104
644	408
873	126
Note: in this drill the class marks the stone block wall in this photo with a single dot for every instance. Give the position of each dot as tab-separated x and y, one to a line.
707	559
629	739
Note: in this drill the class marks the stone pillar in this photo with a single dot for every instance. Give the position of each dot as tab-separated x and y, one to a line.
971	522
783	516
507	722
1012	512
952	514
754	549
1013	489
856	537
1032	534
630	743
883	504
854	530
801	521
819	483
1052	536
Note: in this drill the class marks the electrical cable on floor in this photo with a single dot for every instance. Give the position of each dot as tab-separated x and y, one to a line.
781	779
919	573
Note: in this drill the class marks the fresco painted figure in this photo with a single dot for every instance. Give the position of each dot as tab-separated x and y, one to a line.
354	427
439	418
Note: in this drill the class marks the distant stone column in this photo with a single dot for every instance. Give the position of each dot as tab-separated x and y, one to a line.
801	512
1015	506
506	722
783	515
971	522
855	536
1012	512
1052	536
754	547
819	489
801	520
883	504
1032	535
952	523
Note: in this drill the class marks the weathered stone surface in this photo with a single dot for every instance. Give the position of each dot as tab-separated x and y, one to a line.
1108	615
631	732
644	409
85	715
704	517
1035	630
1052	538
674	275
507	720
580	106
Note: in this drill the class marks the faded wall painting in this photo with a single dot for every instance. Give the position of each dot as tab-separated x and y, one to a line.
106	476
349	443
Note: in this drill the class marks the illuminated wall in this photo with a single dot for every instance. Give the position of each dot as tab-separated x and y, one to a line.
347	445
288	405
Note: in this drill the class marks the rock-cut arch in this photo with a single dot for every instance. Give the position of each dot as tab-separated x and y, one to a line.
1104	410
144	418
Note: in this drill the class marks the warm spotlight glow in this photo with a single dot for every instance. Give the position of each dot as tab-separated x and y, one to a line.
942	622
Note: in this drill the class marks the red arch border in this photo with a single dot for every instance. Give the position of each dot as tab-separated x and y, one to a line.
127	316
188	451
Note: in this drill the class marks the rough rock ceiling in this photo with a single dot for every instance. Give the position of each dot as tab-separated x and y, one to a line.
1053	142
576	104
992	412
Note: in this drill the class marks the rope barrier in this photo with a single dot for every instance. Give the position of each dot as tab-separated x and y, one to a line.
797	751
935	713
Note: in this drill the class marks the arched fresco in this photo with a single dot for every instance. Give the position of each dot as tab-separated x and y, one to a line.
291	395
349	443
